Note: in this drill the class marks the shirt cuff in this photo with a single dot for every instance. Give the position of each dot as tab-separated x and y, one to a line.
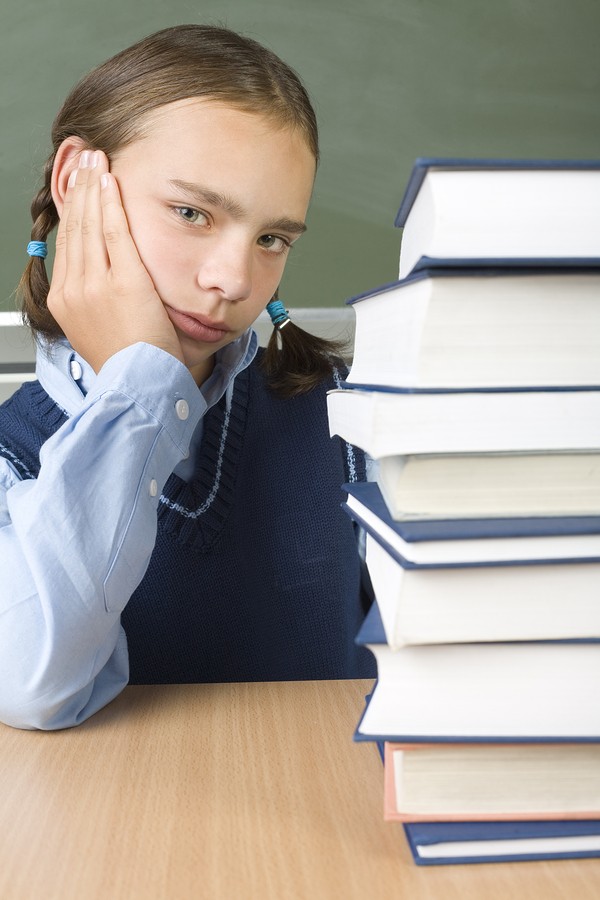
159	383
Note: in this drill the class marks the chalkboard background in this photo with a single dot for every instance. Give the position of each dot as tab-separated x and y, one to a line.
391	80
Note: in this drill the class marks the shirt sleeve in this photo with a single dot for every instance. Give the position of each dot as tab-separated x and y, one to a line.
76	541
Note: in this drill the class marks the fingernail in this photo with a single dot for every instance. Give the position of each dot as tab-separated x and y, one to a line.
95	159
104	181
84	159
72	178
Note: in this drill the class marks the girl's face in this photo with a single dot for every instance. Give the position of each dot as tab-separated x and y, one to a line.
215	198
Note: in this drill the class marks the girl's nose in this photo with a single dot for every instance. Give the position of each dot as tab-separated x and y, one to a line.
226	268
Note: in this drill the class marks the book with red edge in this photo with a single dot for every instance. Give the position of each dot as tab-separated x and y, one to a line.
491	782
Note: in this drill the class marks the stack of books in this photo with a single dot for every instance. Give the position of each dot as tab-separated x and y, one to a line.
475	387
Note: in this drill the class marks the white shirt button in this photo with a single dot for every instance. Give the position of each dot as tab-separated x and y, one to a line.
76	370
182	409
153	488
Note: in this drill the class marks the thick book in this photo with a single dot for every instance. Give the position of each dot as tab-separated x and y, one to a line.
447	843
542	486
483	541
490	208
482	603
397	421
491	782
480	327
437	589
538	691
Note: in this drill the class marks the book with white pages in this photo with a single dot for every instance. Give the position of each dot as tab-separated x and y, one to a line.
471	326
399	421
519	691
477	589
464	542
490	208
491	485
491	782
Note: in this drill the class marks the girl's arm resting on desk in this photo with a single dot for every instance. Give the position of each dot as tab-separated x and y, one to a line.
76	541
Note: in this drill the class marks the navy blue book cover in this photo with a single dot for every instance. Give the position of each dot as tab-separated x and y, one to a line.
437	267
423	164
371	631
429	834
495	267
408	564
369	494
392	389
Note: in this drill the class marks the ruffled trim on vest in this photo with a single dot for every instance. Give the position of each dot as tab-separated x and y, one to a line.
32	409
48	409
195	512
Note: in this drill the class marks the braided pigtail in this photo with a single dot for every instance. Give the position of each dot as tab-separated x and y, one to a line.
34	285
296	361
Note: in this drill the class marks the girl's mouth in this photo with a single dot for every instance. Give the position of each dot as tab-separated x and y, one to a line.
197	327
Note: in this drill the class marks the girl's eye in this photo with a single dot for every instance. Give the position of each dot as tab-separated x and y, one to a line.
274	244
190	215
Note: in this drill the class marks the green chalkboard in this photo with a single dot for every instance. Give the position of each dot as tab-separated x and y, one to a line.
391	80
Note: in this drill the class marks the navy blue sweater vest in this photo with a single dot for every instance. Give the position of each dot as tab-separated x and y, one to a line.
255	573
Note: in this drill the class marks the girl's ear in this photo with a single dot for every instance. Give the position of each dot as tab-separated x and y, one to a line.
66	159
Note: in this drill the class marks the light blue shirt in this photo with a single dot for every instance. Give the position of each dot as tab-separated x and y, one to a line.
76	541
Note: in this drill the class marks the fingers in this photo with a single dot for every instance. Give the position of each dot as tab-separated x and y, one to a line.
122	253
72	216
93	241
97	236
85	254
79	240
100	285
95	257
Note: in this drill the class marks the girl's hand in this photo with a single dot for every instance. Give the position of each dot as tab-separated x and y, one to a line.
101	294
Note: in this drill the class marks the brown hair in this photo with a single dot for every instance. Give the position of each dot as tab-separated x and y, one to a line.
107	110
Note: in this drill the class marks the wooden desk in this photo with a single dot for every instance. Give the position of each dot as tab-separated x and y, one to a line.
226	792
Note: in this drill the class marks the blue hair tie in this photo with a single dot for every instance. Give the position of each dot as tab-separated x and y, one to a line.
278	314
38	248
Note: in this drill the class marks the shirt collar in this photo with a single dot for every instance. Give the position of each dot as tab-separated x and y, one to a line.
229	361
67	377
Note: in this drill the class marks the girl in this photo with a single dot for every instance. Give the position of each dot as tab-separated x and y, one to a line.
169	495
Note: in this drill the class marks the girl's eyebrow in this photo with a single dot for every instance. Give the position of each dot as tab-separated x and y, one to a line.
200	194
